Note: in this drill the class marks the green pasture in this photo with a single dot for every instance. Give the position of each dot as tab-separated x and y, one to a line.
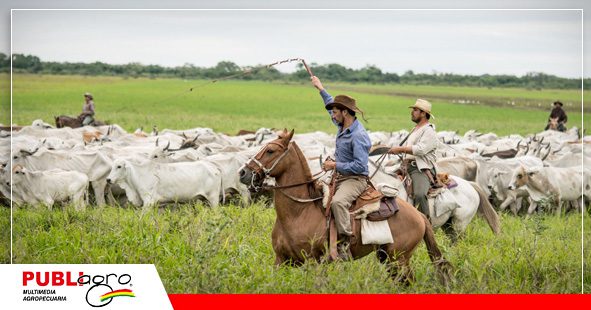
198	249
229	106
4	235
228	249
4	99
501	97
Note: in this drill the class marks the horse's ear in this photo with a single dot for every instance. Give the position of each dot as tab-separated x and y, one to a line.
290	135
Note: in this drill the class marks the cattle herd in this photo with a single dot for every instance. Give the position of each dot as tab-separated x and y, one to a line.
545	171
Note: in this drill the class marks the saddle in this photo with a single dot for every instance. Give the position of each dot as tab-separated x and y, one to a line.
446	183
373	206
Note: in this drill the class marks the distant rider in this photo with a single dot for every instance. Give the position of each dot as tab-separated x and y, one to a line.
559	116
87	115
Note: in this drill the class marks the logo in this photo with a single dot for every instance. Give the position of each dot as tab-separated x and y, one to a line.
53	278
101	293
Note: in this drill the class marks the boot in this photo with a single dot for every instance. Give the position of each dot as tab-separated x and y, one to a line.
344	248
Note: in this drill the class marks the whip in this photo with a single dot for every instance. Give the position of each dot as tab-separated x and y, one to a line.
243	72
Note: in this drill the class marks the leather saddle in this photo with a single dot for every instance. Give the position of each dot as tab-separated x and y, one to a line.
386	207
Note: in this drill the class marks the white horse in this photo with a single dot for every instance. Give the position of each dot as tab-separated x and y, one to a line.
454	209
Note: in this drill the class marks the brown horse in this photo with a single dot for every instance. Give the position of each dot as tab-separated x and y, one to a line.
300	227
73	122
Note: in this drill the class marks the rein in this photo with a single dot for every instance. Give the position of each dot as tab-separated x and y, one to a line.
378	164
267	172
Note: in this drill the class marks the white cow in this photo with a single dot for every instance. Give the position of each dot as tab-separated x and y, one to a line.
93	164
51	186
40	124
228	164
499	180
149	182
556	184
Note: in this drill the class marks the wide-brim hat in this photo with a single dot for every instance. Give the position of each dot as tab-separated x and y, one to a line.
344	101
424	106
89	95
558	102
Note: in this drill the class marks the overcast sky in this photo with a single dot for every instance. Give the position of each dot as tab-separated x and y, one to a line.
457	41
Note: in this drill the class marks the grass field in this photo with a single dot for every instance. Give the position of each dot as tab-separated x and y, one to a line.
197	249
233	105
228	250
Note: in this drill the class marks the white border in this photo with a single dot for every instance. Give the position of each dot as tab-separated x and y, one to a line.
351	9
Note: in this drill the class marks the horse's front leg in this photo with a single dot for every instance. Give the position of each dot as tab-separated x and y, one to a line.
279	260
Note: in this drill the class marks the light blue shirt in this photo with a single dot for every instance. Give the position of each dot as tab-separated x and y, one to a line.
352	145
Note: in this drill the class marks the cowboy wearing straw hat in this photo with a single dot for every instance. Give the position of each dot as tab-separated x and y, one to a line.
87	114
351	161
419	153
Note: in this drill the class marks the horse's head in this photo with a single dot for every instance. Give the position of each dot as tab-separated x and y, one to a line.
553	124
270	161
58	122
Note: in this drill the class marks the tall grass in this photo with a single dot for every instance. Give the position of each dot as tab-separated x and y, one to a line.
4	235
227	249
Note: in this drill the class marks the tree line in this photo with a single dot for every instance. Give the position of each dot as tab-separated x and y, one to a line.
333	72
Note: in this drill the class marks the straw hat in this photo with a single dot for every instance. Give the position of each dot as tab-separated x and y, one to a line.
424	106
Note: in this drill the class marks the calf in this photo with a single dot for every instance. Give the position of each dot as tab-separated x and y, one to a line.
51	186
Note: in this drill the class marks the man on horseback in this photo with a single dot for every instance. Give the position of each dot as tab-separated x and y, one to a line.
419	154
351	161
557	118
87	115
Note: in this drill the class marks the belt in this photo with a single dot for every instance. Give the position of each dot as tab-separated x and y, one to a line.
351	176
410	162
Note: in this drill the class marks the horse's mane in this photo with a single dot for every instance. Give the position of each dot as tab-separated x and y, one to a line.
302	159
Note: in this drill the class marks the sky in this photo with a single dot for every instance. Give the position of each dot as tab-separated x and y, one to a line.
457	41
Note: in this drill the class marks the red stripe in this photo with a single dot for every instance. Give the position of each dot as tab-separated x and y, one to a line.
369	302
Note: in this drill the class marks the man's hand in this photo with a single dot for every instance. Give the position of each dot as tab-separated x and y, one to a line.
395	150
400	149
329	165
316	82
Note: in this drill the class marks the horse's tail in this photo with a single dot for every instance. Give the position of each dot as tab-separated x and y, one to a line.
443	267
486	210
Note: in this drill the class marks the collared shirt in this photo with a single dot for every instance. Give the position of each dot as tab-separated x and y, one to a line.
352	145
423	142
88	108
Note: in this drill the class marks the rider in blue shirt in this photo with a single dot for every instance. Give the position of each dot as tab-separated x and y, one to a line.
351	161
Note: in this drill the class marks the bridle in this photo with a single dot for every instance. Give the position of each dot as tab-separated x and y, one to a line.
261	169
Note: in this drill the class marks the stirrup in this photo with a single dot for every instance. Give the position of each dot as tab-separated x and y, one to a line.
344	251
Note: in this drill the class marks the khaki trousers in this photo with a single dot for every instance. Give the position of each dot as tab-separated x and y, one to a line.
346	192
420	187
